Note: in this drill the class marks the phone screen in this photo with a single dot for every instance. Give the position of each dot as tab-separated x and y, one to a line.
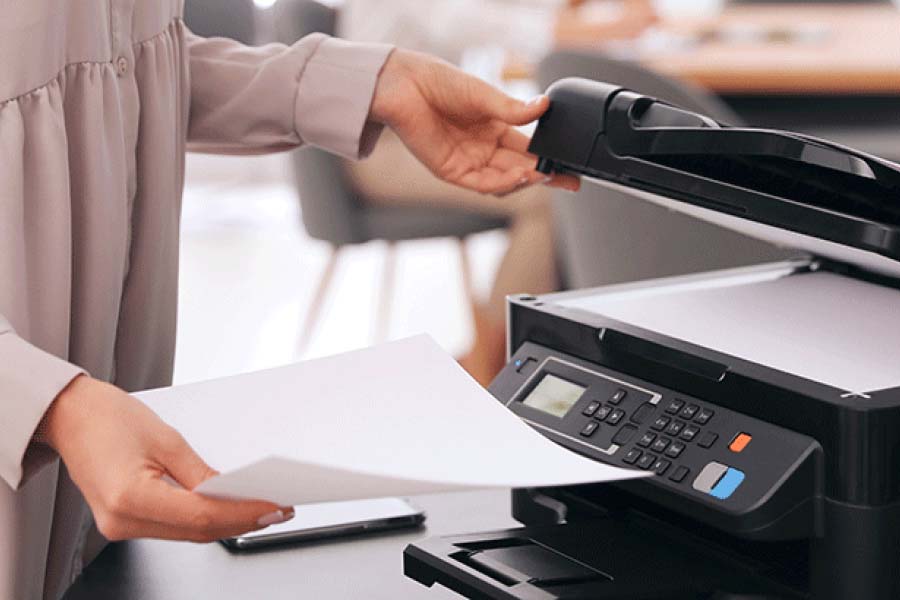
309	518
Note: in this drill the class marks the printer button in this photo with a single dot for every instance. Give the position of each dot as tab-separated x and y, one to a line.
643	411
674	406
523	363
632	457
624	435
680	474
740	442
661	444
675	450
709	477
728	484
660	423
689	411
646	439
703	417
615	416
590	428
708	439
675	428
647	461
661	466
603	412
590	409
690	432
618	397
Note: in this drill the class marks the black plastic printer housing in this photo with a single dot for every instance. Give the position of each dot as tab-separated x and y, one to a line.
785	180
823	520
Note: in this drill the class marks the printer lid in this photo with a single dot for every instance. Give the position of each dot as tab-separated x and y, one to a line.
789	189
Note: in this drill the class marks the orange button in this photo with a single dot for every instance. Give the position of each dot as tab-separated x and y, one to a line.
740	442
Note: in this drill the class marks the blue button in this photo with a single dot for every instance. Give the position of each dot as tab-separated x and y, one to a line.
728	484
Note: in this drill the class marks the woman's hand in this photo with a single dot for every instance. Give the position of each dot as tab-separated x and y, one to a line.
122	458
458	126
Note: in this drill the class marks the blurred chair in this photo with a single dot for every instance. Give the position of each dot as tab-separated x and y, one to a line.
337	213
233	19
607	236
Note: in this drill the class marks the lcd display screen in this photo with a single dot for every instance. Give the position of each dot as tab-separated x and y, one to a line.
554	396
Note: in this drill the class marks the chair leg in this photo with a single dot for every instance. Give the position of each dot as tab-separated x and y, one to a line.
386	296
318	302
485	357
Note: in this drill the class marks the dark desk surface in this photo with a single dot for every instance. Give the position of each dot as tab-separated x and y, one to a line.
363	567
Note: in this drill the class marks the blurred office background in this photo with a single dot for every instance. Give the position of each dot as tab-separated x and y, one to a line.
274	270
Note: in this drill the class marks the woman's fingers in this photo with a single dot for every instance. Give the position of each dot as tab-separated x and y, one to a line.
127	462
528	112
569	183
514	146
515	140
508	171
183	464
491	180
460	127
496	105
154	508
508	159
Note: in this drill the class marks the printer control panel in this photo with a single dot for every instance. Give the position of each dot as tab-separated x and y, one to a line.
728	460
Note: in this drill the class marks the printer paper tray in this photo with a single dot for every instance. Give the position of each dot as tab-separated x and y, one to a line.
802	324
601	559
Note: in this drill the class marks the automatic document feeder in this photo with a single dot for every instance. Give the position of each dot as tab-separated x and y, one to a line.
765	401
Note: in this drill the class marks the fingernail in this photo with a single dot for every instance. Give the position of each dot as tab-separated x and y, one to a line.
523	180
534	101
274	518
546	179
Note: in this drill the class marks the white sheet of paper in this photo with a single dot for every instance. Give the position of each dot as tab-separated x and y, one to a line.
398	419
824	327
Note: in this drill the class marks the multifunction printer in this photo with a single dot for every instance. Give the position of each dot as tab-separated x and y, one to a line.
763	402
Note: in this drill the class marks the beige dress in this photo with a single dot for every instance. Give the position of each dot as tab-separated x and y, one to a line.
98	99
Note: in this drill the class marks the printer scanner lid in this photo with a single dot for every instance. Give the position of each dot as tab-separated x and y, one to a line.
789	189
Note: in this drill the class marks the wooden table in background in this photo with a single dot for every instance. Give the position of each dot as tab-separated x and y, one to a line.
858	51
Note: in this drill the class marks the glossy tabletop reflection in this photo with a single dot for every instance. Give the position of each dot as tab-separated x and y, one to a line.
368	567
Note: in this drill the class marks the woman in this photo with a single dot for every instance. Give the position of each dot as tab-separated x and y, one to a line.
98	100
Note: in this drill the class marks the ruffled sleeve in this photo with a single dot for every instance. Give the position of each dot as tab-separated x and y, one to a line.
248	100
30	379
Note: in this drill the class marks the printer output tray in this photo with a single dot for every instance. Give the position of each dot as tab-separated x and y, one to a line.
601	559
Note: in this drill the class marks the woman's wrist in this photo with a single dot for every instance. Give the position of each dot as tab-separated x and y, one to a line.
48	429
396	81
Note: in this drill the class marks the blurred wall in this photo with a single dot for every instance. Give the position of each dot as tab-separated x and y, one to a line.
234	19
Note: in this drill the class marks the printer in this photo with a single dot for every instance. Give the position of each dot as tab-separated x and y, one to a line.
763	402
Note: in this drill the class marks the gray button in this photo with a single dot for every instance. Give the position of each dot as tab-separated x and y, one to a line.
709	477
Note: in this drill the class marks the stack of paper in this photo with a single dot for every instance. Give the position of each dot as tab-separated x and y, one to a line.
799	324
398	419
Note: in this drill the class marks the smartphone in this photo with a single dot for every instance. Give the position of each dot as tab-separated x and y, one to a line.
333	519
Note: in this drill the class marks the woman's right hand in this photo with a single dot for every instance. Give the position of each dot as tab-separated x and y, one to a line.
121	456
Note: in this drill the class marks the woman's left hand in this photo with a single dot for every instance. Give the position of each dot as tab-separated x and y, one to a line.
458	126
